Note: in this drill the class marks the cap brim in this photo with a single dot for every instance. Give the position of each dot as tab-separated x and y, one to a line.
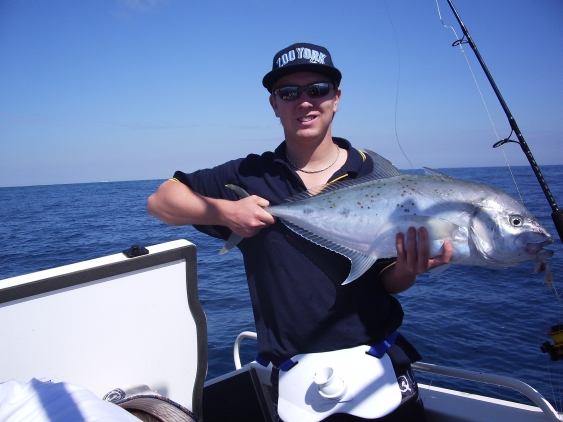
274	75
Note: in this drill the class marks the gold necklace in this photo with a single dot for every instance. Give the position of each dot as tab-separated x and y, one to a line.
314	171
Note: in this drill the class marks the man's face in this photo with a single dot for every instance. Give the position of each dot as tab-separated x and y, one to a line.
305	118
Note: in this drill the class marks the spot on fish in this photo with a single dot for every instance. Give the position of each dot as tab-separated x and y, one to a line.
344	212
309	210
407	210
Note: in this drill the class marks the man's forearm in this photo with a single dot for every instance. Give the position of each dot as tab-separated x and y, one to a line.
176	204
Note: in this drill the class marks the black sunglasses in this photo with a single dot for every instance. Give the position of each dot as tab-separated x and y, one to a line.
316	90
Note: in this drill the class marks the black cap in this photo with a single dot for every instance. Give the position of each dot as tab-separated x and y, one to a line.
301	57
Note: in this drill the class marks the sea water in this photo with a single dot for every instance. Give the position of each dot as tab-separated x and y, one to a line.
480	319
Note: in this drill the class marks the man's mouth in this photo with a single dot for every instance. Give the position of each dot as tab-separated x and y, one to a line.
306	119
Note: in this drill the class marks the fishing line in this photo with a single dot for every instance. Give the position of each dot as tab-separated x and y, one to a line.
557	396
459	43
421	295
398	82
433	329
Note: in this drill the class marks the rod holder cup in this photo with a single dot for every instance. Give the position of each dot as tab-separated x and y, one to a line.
330	386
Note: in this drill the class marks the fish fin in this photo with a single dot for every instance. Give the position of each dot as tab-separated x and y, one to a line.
360	262
437	227
238	190
233	239
480	235
439	270
382	169
433	172
231	242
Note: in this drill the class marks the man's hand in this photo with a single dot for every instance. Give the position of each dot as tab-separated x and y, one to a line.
246	217
413	260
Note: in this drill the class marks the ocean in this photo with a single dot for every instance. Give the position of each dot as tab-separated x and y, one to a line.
480	319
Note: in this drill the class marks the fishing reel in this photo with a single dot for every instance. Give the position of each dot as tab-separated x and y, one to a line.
555	350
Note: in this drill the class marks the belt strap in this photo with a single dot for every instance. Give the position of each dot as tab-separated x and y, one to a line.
286	365
379	349
376	350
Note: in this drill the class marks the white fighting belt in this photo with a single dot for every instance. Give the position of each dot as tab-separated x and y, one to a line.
343	381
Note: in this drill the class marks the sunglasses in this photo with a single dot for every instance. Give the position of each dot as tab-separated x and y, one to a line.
317	90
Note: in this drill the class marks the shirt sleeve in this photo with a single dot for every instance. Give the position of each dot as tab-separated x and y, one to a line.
211	183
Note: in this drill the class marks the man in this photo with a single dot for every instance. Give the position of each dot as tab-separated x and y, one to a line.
295	286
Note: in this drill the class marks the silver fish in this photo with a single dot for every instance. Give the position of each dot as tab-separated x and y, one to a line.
360	219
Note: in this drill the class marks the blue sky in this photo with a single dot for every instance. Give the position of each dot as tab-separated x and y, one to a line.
127	90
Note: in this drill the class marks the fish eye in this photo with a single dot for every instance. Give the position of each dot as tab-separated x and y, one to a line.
516	220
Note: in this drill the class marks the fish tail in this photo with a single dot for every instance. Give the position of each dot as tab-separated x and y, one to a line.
233	239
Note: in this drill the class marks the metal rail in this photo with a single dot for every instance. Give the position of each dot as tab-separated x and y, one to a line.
499	380
240	338
464	374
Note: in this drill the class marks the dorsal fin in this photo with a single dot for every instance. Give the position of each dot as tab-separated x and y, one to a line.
433	172
382	169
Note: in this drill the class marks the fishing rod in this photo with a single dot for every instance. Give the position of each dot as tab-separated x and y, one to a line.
557	214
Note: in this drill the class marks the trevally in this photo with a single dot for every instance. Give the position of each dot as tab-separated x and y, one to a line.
360	219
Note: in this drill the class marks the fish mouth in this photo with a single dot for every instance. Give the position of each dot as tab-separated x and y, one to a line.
543	254
536	248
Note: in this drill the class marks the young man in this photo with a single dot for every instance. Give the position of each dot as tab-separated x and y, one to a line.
295	286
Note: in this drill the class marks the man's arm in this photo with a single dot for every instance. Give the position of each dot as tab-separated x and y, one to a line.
410	262
176	204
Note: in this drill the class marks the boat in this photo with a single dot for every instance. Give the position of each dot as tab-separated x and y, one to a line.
134	317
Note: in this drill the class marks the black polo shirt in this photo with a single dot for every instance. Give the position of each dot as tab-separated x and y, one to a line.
295	286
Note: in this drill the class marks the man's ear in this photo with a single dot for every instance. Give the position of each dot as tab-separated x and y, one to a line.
274	105
337	100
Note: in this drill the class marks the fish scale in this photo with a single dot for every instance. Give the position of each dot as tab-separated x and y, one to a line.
360	219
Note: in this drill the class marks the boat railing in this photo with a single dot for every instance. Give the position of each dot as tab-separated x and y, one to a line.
464	374
238	341
494	379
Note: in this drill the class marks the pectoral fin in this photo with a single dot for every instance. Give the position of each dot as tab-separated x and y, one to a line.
481	237
437	227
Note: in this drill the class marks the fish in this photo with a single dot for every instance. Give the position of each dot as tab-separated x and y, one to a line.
360	218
